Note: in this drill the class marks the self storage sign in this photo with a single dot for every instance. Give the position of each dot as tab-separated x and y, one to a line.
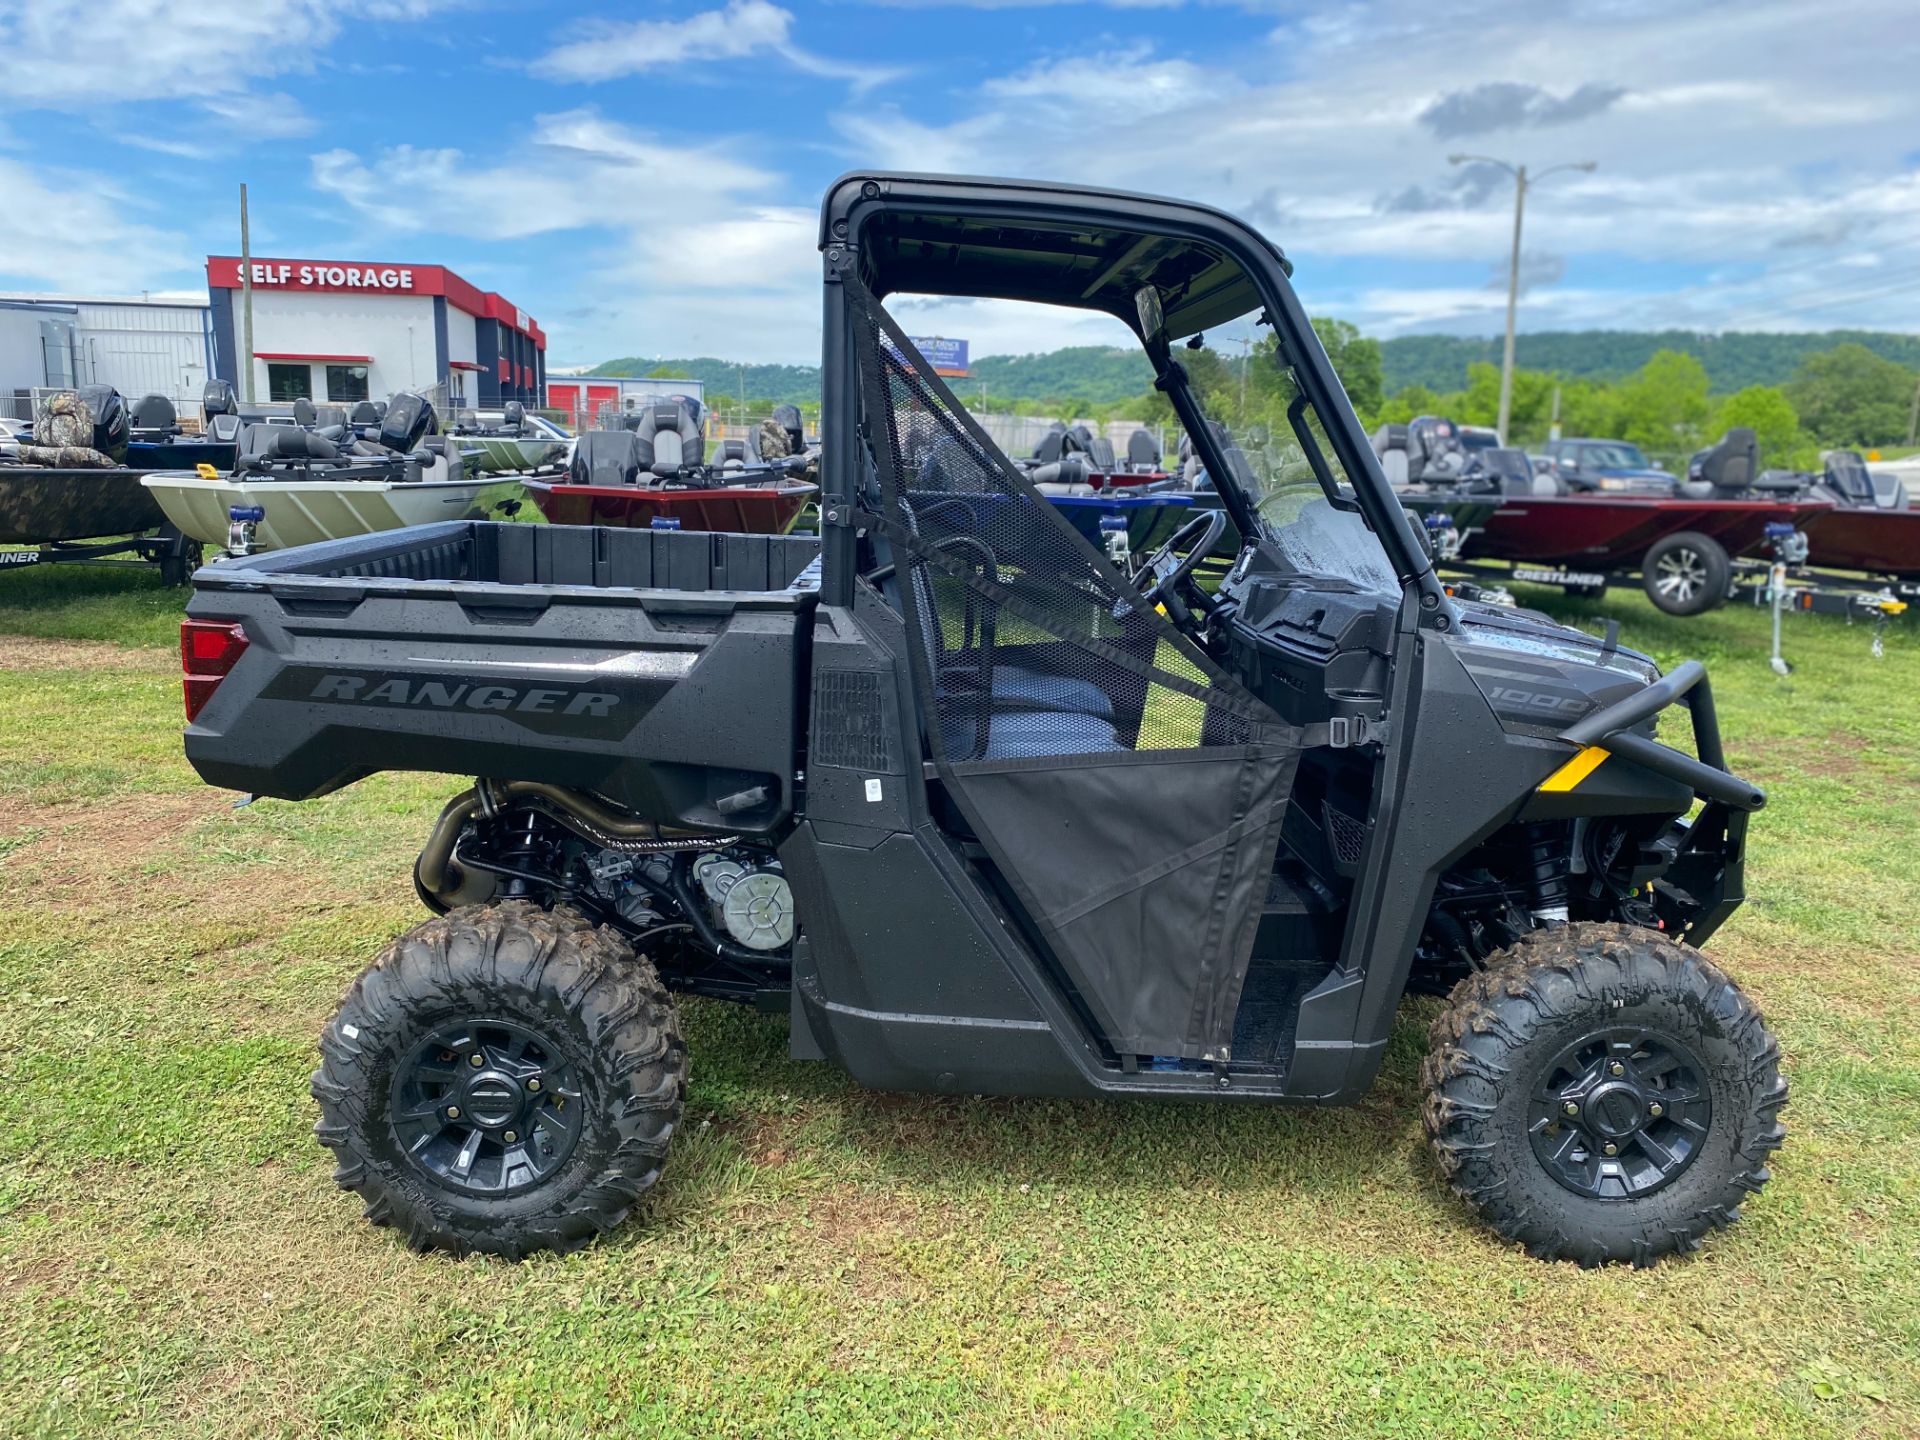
304	275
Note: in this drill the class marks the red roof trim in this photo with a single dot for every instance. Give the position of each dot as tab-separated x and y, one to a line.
464	365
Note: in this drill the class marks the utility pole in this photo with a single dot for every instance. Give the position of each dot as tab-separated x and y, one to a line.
1913	417
1521	181
246	300
1553	425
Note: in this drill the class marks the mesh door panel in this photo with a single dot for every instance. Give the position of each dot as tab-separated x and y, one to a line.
1030	643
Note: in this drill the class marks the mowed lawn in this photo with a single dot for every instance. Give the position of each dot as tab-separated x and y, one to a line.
175	1260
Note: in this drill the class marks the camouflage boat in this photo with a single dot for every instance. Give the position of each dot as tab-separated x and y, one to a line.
40	504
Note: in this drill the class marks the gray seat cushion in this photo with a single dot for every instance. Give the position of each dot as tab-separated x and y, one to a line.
1030	734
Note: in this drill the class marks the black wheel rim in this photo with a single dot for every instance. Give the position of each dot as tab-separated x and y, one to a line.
1619	1114
489	1107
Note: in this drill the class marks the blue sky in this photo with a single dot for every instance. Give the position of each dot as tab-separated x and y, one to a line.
643	178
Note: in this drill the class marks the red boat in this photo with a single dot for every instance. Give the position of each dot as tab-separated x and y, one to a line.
1615	533
1880	542
736	509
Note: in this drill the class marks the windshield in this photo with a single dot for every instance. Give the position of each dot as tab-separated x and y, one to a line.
1613	455
1247	392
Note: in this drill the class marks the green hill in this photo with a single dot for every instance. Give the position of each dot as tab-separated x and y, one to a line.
1087	375
781	384
1733	361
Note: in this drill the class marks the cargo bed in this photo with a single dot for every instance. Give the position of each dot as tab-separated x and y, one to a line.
662	669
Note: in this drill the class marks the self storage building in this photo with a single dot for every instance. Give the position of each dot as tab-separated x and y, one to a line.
336	331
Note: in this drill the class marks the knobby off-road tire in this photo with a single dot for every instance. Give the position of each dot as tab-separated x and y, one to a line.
1658	1051
491	1022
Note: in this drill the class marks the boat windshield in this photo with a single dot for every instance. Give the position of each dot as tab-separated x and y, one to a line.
1280	459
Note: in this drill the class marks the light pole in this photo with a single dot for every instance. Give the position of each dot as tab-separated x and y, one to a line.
1520	182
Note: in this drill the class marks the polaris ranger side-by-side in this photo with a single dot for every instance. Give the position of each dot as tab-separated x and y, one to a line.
982	813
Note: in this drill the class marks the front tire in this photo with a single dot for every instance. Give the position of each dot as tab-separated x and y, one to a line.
1600	1093
502	1079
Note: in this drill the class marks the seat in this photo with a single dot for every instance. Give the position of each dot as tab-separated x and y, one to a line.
1143	452
672	437
606	457
1023	712
733	455
303	411
364	413
1052	445
223	429
154	418
1731	466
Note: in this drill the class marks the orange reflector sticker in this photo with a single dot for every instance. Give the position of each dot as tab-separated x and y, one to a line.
1574	771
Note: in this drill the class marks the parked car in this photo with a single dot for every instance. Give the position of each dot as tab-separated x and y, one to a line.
1610	465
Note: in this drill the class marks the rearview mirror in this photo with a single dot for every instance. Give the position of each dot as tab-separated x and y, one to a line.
1153	320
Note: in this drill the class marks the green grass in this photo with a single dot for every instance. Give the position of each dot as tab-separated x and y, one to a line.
174	1259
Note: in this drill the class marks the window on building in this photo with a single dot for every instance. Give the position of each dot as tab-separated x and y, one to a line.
289	382
346	382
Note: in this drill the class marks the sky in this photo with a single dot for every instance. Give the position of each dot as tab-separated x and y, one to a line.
644	178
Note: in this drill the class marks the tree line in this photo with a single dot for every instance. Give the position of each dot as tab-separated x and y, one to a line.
1843	396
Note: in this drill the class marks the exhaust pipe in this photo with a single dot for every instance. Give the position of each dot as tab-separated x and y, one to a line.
592	819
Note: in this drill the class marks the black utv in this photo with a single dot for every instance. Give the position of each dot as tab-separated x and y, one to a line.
979	812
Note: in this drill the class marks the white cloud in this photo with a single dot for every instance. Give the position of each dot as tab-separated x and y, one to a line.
607	50
678	248
1320	138
66	230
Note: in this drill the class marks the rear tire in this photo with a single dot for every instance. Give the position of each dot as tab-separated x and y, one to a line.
502	1079
1687	573
1600	1093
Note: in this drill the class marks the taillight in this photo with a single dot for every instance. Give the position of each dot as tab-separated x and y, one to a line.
208	652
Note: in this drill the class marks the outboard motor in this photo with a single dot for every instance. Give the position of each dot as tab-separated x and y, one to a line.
513	417
787	417
110	421
607	457
219	409
408	421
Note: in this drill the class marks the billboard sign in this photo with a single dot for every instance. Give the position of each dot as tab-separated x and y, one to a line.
948	357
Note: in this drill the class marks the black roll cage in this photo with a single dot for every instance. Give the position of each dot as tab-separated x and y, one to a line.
858	200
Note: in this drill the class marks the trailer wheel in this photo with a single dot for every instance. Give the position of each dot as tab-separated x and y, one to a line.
1687	573
502	1079
179	557
1600	1093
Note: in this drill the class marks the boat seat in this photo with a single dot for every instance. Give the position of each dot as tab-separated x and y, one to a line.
303	412
1030	734
734	455
1731	466
672	437
1889	491
607	457
223	429
154	418
1143	452
364	415
1052	445
260	445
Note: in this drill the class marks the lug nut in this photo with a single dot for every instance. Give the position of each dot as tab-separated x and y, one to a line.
1572	1107
476	1061
1616	1068
509	1137
1656	1109
534	1083
1610	1148
453	1112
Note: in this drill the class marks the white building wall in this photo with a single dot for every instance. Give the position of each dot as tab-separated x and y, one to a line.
144	349
395	330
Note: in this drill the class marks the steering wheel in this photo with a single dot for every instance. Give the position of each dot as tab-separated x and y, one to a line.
1167	572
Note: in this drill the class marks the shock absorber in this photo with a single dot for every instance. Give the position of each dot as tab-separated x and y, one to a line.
522	847
1547	862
